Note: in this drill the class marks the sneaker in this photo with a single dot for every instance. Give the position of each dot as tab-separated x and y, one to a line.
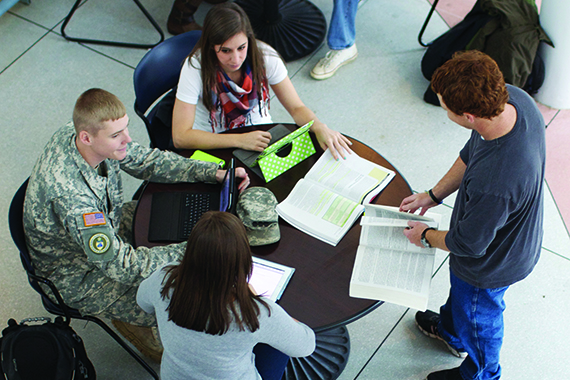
145	339
427	323
332	61
446	374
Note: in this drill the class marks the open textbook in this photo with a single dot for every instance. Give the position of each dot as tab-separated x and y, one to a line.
327	201
387	266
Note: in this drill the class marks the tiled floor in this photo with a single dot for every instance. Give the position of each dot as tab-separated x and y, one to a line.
376	99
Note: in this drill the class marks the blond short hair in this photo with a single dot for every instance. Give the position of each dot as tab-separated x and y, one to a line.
94	107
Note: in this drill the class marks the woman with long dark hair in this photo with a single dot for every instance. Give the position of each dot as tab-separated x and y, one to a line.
208	317
224	84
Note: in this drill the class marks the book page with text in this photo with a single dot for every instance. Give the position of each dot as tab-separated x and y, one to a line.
388	237
398	277
381	211
373	221
387	266
319	212
353	177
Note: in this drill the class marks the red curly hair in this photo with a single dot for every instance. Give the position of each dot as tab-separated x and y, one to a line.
471	82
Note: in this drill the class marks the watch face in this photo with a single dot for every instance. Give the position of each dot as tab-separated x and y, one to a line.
423	239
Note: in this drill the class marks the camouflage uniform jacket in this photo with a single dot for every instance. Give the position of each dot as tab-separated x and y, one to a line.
72	216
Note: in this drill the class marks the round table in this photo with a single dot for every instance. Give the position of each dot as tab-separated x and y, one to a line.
318	293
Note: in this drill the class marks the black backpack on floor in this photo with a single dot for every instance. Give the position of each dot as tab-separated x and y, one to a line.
507	30
48	351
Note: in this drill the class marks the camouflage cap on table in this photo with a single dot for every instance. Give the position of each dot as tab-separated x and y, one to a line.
256	209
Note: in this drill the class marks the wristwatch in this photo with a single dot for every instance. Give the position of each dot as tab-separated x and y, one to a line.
423	239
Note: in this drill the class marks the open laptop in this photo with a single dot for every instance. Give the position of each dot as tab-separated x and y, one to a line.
173	215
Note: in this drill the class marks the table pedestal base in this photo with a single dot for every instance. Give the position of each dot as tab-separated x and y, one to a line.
295	28
328	360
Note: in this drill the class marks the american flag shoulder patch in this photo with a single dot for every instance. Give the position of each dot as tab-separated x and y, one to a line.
94	219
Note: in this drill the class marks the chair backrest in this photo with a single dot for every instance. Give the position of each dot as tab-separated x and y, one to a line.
158	72
16	223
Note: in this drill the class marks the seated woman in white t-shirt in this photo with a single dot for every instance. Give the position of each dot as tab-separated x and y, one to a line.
224	84
211	324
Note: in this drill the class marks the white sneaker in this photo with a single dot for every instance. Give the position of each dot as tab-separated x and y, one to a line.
333	60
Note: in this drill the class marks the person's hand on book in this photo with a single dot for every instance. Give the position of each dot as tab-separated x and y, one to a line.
414	232
338	144
417	201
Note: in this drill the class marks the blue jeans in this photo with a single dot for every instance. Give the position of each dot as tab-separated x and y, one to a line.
472	321
269	362
342	30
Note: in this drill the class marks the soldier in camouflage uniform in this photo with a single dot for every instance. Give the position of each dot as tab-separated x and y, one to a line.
79	231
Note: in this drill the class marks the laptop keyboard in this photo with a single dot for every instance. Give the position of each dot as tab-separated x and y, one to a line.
195	205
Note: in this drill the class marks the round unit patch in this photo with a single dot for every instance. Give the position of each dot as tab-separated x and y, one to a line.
99	243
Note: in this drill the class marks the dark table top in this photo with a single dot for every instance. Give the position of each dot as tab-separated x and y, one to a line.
318	291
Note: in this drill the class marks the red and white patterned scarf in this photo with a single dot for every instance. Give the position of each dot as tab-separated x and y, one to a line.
236	102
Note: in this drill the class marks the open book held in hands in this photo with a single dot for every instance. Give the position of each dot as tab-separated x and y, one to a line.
387	266
329	199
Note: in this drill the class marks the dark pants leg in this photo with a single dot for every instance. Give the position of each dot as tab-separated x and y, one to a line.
270	363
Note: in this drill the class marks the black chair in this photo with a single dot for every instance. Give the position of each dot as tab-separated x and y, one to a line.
112	43
156	74
57	307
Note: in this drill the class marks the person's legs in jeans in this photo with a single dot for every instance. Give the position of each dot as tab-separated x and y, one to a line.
340	39
446	326
342	29
472	320
270	363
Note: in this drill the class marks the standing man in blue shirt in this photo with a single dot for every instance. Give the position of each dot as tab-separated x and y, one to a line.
495	233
